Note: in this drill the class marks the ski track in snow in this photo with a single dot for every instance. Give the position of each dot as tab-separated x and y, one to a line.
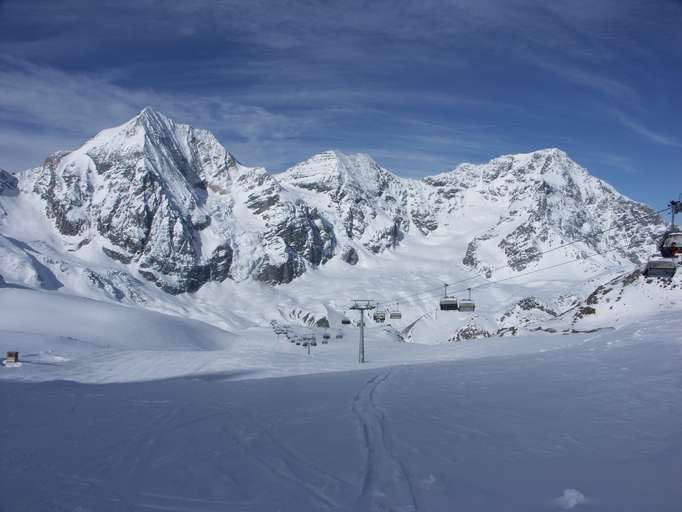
386	484
285	464
257	443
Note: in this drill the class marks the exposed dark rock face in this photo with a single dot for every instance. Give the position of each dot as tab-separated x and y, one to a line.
219	263
67	192
114	255
307	235
359	193
425	221
521	247
530	303
387	238
8	184
470	332
350	255
8	187
275	272
106	285
471	259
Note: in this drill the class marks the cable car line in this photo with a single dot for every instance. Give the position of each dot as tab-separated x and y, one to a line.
440	287
549	267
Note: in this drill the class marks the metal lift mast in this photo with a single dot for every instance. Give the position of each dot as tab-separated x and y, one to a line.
362	306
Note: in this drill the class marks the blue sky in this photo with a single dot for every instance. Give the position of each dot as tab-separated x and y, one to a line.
420	86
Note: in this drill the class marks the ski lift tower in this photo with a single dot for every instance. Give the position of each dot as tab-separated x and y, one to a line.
362	306
675	207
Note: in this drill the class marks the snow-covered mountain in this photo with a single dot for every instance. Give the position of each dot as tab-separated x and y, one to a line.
169	201
150	210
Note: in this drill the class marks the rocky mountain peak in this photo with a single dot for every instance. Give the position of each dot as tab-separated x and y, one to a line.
169	201
149	113
541	200
368	202
332	170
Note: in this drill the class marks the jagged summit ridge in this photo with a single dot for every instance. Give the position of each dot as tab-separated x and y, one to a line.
540	200
140	190
173	205
333	169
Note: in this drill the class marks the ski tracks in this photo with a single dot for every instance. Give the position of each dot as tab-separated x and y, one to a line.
386	484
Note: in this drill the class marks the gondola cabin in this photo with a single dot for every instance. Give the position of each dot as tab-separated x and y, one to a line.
660	267
467	305
448	303
395	315
345	321
379	316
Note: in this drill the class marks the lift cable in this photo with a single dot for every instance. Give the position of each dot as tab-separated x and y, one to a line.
549	267
526	260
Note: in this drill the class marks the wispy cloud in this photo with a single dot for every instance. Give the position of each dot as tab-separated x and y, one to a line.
43	104
587	78
420	85
639	128
618	162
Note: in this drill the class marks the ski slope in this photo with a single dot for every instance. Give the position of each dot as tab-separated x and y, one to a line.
253	423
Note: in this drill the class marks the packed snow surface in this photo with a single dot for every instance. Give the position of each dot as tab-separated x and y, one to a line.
199	419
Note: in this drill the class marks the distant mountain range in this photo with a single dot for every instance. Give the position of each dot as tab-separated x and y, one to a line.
160	202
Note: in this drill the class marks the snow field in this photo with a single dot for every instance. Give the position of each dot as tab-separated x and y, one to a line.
593	425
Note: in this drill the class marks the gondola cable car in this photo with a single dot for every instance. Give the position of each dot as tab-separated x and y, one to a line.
665	265
448	302
671	243
660	267
467	305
